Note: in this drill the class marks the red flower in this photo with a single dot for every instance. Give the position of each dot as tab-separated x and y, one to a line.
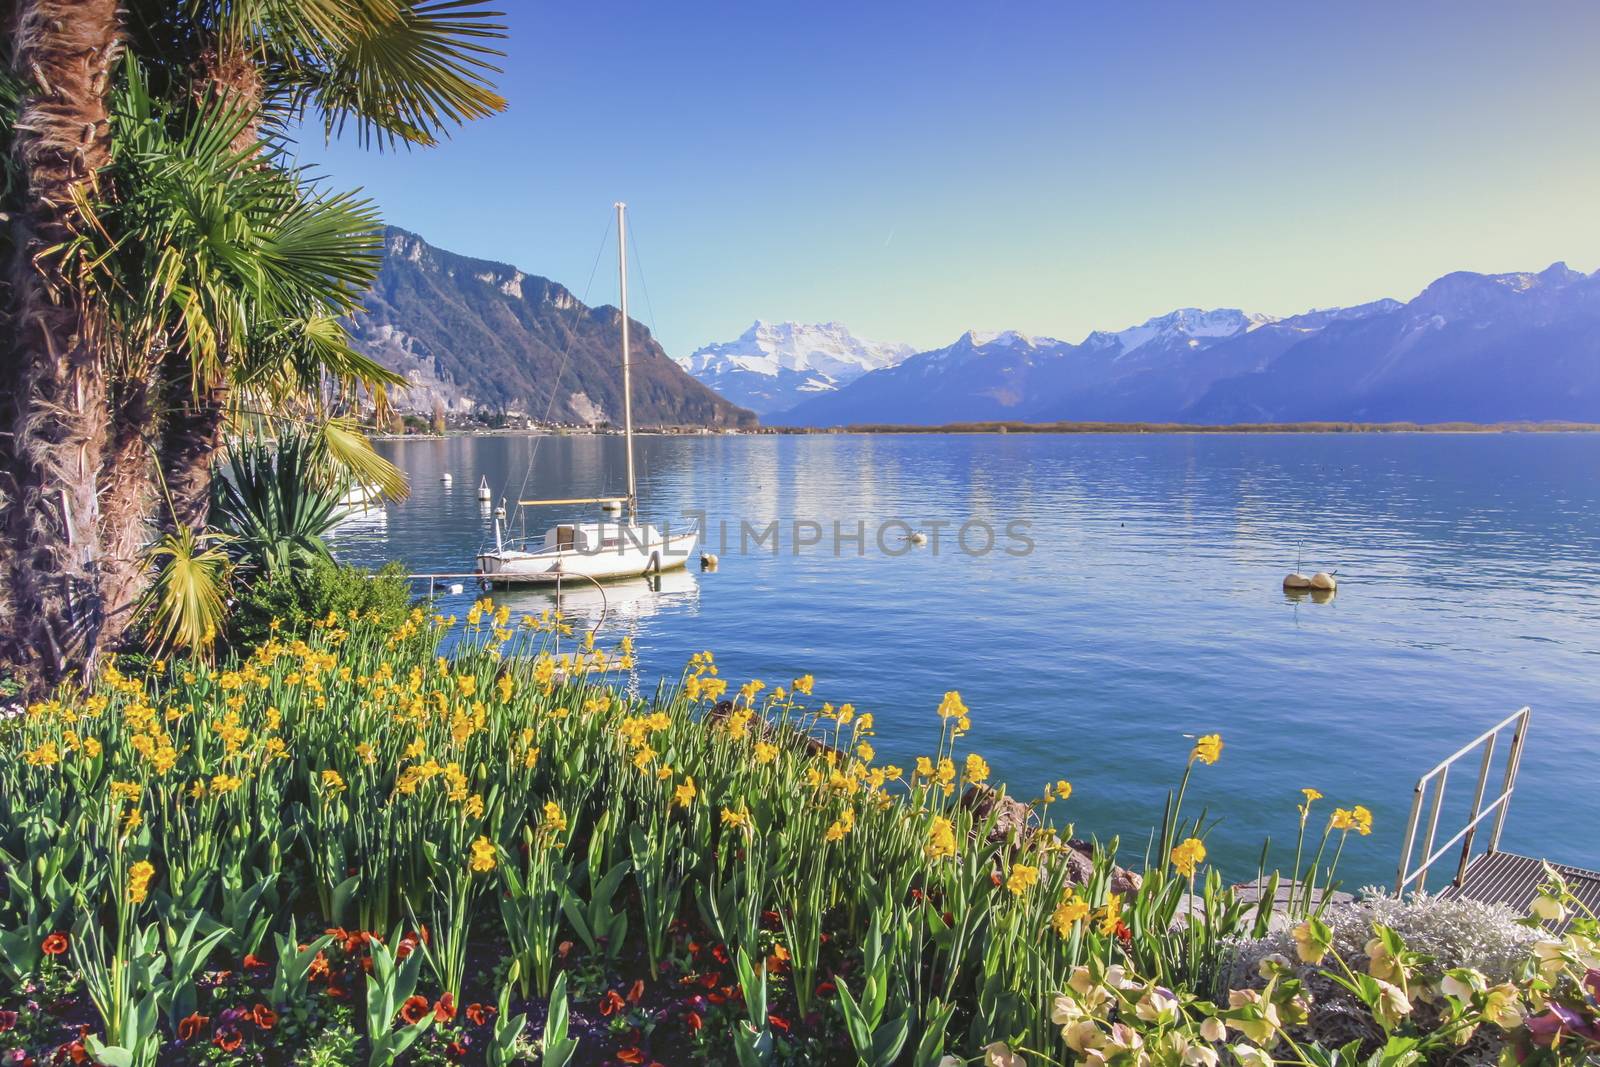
8	1020
693	1021
631	1055
710	979
445	1010
456	1049
720	953
253	963
564	948
636	993
55	944
319	967
264	1017
77	1053
189	1027
407	943
611	1003
716	998
826	989
478	1014
414	1010
780	1022
228	1038
337	991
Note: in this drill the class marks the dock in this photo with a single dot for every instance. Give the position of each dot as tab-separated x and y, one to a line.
1494	875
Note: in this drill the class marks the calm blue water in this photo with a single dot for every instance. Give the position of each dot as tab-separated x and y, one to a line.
1149	609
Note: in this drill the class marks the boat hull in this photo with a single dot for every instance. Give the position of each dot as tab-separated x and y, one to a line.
550	567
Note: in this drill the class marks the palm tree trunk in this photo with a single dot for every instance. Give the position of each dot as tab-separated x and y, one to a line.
63	51
126	503
196	412
190	438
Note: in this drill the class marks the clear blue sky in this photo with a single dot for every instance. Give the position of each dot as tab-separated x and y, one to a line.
915	169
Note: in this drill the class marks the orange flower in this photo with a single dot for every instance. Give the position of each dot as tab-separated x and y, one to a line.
190	1026
55	944
637	992
264	1017
445	1009
319	967
478	1014
228	1039
631	1055
611	1003
414	1010
255	963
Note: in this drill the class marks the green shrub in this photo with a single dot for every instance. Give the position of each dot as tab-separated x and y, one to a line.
297	597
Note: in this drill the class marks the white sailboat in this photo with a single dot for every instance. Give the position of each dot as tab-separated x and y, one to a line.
621	547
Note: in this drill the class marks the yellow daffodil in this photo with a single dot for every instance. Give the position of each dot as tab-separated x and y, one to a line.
1071	910
941	839
1021	879
1207	749
139	876
1187	855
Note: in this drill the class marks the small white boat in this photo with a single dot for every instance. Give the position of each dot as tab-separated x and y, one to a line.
620	547
361	496
599	550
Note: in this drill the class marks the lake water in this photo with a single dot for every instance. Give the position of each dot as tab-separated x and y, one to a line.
1149	609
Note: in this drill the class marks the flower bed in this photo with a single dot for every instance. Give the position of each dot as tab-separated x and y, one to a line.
344	849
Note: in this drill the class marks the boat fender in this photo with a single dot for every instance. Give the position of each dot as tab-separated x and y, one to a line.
454	589
445	478
1297	581
1323	580
708	561
918	538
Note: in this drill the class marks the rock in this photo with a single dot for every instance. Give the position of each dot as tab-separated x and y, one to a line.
1121	881
1013	820
1125	881
778	735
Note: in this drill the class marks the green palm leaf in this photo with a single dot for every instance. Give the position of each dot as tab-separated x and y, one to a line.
185	603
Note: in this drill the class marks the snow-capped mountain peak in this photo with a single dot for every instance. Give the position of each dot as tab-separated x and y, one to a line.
1191	327
773	365
1005	338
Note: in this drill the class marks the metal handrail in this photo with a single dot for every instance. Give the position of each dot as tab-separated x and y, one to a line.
1440	776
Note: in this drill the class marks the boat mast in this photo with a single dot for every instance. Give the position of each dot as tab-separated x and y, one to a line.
627	385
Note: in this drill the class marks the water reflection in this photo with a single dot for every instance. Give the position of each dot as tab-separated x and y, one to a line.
604	604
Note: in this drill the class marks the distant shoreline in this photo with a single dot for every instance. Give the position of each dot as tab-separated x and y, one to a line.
1193	428
1032	428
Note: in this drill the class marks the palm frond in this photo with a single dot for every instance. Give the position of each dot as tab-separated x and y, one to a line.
186	603
348	448
407	74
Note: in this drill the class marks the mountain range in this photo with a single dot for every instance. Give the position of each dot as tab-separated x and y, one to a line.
470	334
773	366
1470	347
